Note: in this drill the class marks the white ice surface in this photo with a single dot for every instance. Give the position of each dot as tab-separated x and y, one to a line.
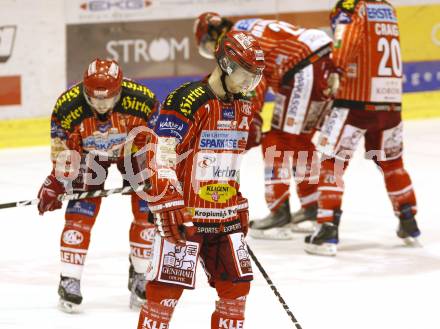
373	283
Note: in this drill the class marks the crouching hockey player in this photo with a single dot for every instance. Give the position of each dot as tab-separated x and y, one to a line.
202	130
89	126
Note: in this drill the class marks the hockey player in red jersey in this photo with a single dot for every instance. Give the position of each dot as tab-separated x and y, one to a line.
201	132
89	127
368	103
298	71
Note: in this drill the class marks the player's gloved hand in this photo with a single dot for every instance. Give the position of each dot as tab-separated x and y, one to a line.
255	132
243	214
48	194
174	225
333	83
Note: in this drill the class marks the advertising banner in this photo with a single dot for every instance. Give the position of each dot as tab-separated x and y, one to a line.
420	39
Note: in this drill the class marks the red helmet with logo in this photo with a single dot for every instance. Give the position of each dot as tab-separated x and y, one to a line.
240	56
102	84
208	28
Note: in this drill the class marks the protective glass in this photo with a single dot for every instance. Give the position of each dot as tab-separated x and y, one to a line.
207	47
102	105
239	79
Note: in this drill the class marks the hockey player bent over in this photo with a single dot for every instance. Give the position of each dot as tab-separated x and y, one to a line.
199	212
298	71
367	54
89	124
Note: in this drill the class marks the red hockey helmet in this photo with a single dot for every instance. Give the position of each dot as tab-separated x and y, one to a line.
102	84
208	28
240	57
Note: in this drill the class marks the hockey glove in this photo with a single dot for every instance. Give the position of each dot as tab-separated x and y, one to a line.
243	214
255	132
48	194
174	225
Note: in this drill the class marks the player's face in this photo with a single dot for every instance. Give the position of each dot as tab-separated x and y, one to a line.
103	105
241	80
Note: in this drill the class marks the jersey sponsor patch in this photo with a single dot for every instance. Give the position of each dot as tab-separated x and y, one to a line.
174	264
213	213
226	124
228	114
143	206
241	254
380	13
81	208
245	24
392	142
219	193
73	237
169	125
387	90
223	140
217	166
104	141
340	18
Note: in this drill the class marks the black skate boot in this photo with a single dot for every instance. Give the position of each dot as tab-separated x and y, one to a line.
136	285
408	229
325	239
275	226
69	291
304	220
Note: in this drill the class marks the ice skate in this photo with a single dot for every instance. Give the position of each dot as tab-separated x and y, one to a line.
304	220
136	285
323	241
70	295
275	226
408	230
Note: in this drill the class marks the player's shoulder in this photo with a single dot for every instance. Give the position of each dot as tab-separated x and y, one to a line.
188	98
71	107
136	99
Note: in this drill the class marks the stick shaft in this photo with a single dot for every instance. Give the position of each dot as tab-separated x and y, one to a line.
274	289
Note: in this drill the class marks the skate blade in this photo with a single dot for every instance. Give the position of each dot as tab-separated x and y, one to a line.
325	249
303	227
68	307
276	233
136	302
412	242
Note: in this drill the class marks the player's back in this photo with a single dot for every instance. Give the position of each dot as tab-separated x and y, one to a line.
367	48
284	45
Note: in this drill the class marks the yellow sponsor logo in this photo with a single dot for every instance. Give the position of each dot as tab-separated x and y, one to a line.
137	87
189	99
68	96
132	103
348	4
217	192
66	121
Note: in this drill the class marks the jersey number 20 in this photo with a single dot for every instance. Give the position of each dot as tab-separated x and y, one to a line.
389	48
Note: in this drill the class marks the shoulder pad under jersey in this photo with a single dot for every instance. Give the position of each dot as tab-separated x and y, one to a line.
136	99
188	98
71	107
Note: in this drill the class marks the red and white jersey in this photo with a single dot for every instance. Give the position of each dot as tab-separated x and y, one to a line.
367	51
290	50
200	142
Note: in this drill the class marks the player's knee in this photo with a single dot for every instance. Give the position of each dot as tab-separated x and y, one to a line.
232	290
164	294
390	165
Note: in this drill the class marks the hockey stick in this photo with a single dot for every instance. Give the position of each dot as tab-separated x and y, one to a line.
79	196
274	289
